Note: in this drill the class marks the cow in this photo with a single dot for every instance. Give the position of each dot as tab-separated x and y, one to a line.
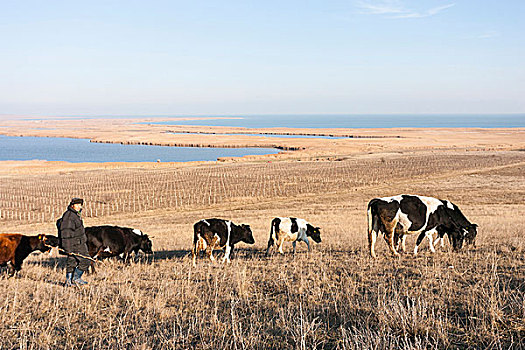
209	234
466	228
109	241
291	229
15	247
405	214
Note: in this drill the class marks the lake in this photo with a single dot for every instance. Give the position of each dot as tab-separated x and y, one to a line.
362	121
81	150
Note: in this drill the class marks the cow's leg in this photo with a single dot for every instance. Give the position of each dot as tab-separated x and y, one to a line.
441	234
16	263
136	256
431	243
372	234
397	241
307	243
418	242
280	243
397	237
95	253
198	246
403	241
209	252
436	241
294	244
12	268
372	237
126	256
439	239
227	251
271	243
389	237
430	237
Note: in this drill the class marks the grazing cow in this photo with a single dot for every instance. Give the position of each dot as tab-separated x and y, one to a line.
291	229
209	234
109	241
467	229
401	215
14	248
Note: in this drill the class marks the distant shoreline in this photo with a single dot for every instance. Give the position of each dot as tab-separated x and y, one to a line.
357	121
339	145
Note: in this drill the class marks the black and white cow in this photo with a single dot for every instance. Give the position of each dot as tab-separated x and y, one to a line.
291	230
209	234
402	215
109	241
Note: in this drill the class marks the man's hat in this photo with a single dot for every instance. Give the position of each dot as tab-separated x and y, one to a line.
77	201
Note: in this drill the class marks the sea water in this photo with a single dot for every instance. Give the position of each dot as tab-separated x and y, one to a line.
81	150
360	121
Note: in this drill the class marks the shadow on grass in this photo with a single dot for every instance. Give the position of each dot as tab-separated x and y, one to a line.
59	262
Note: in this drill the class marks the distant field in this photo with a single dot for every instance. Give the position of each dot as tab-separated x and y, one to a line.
335	297
41	198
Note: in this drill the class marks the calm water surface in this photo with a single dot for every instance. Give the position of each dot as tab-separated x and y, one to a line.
81	150
364	121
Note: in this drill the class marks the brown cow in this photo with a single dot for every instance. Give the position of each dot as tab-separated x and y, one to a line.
14	248
218	233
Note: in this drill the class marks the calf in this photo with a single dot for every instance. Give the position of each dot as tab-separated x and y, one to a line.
291	229
109	241
401	215
209	234
466	229
14	248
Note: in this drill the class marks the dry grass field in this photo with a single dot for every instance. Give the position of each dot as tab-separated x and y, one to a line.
335	297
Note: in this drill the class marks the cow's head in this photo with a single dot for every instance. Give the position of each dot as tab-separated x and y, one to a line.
314	232
469	233
41	244
145	244
466	234
144	241
246	234
52	241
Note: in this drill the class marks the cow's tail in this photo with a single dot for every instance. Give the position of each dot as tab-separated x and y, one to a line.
373	228
196	232
271	240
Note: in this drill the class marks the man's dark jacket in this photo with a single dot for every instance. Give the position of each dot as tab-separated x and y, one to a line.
72	233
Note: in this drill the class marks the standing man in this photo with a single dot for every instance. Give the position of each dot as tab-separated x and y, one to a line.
73	239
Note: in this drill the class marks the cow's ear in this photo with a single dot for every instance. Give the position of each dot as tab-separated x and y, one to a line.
41	237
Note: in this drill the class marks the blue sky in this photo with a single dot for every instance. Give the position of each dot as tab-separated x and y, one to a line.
261	57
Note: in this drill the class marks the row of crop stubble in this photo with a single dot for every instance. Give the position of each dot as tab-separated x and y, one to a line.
42	198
